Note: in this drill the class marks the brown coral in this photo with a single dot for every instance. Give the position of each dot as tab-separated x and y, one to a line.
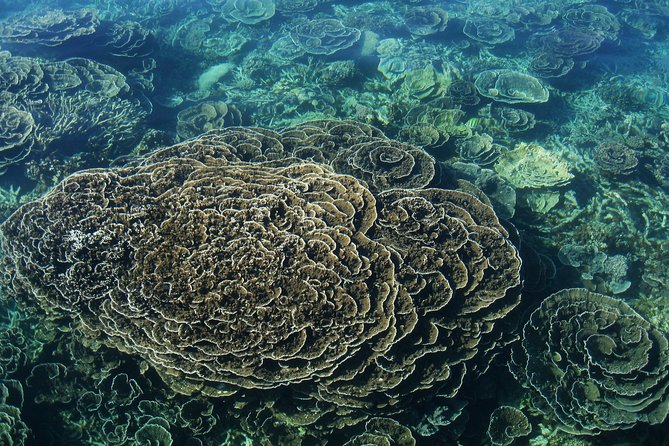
226	274
614	158
362	151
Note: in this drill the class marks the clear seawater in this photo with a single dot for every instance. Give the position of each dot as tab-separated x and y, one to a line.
549	120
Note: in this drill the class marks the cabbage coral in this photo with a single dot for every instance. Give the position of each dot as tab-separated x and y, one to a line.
227	274
593	363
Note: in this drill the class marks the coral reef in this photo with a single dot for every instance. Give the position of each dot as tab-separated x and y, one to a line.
248	12
206	116
16	138
489	31
412	144
426	20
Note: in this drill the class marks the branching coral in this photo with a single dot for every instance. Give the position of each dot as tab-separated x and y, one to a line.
126	39
227	275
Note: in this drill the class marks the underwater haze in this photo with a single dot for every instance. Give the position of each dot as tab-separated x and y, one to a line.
334	222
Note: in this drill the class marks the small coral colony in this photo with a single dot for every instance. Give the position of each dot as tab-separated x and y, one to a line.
334	222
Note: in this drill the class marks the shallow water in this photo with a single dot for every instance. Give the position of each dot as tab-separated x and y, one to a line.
311	222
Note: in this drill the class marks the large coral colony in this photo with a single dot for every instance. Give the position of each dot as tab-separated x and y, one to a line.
311	222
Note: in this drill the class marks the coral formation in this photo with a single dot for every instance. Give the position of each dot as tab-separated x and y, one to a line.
323	36
615	158
510	86
593	363
490	31
16	130
227	275
506	425
532	166
49	27
248	12
206	116
402	132
478	149
384	431
426	20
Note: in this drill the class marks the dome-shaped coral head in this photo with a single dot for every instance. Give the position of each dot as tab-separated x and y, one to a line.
226	262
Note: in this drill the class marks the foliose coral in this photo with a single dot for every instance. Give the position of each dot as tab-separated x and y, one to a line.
205	116
548	65
513	120
248	12
568	41
323	36
478	149
426	20
463	92
13	431
593	17
21	75
593	363
16	135
362	151
383	431
506	425
490	31
227	275
532	166
51	27
615	158
510	86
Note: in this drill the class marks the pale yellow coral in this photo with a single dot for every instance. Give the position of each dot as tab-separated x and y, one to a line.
532	166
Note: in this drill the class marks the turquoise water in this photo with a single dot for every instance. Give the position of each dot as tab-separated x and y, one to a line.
310	222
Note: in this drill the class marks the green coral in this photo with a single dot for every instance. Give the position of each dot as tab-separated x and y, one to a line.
532	166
